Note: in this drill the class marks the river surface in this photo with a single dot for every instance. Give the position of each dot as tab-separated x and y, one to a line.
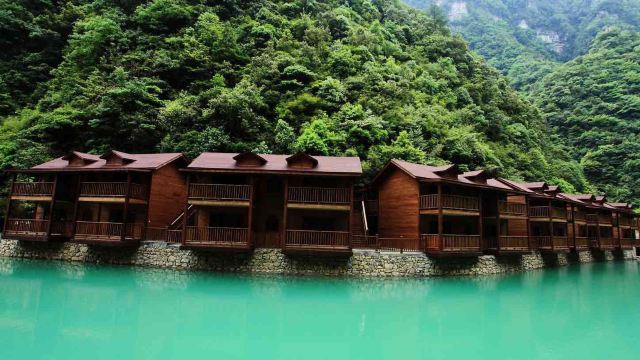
54	310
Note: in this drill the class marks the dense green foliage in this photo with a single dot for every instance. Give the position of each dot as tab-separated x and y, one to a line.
594	101
369	78
525	39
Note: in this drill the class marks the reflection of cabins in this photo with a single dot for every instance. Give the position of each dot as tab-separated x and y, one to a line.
625	226
547	217
446	212
107	199
299	202
599	218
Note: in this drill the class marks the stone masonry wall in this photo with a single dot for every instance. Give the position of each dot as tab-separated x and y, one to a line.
272	261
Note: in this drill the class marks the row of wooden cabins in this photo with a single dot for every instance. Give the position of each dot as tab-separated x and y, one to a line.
303	203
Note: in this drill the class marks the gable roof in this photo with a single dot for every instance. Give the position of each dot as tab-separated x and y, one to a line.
97	163
445	173
225	162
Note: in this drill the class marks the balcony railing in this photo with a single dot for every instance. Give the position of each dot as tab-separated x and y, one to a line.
112	189
451	202
317	239
32	189
627	243
509	243
551	242
107	231
62	228
581	242
591	218
547	212
217	236
451	242
510	208
318	195
579	216
605	219
607	243
163	234
624	221
27	227
228	192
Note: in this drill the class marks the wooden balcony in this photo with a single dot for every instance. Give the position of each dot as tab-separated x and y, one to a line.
27	229
627	243
603	243
112	191
452	245
605	220
547	212
163	234
320	198
220	194
508	244
218	238
450	202
579	216
32	191
625	222
512	209
108	233
581	243
592	219
551	243
312	241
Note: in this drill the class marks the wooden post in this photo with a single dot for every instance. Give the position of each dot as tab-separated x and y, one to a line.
599	240
351	215
480	215
528	223
498	224
75	207
126	208
250	214
283	238
440	218
185	216
51	205
146	215
573	226
7	213
551	223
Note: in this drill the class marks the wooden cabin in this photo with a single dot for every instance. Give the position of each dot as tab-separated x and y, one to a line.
625	225
548	217
110	199
599	218
299	203
444	212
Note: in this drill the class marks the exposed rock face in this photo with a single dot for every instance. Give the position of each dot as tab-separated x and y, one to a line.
551	37
366	263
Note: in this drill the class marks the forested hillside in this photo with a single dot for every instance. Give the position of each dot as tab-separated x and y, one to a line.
594	102
374	79
526	39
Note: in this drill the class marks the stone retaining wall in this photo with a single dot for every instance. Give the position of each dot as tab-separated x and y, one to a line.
273	261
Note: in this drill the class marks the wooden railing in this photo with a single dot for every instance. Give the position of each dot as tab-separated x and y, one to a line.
217	235
27	226
607	243
400	244
624	221
551	242
452	202
319	239
112	189
231	192
591	218
605	219
511	208
163	234
546	212
62	228
451	242
32	189
318	195
627	242
364	241
579	216
520	243
581	242
89	230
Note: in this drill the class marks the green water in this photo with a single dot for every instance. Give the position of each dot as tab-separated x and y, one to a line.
61	311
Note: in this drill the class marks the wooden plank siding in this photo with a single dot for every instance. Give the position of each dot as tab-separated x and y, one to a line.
167	195
399	214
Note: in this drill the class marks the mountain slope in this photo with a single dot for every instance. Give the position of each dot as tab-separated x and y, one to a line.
369	78
594	103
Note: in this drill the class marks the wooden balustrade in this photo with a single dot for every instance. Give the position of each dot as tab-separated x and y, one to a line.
605	219
364	241
460	242
217	235
579	216
511	208
551	242
401	244
27	226
430	241
624	221
627	243
113	189
520	243
560	242
451	202
229	192
318	195
32	189
558	213
581	242
62	228
547	212
591	218
318	239
606	243
107	231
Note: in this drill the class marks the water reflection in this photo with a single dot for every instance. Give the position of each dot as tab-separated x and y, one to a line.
54	309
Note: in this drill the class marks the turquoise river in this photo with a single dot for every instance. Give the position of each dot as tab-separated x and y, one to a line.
54	310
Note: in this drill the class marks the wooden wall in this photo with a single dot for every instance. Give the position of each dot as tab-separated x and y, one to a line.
168	195
399	197
516	227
